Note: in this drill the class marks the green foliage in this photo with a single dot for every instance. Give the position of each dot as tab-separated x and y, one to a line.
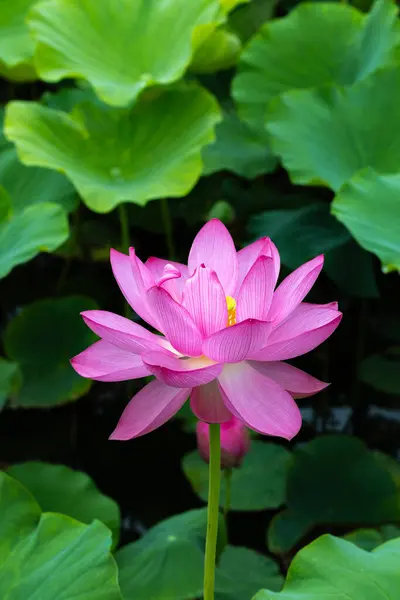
51	553
320	134
44	227
247	20
316	44
151	106
238	148
258	484
58	488
242	572
167	563
301	233
219	50
328	481
331	568
115	155
368	539
70	39
368	204
16	44
42	339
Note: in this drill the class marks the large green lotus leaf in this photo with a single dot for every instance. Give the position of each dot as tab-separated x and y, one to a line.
369	206
316	44
51	556
113	155
238	148
42	339
16	44
31	185
149	42
322	137
9	380
19	515
167	563
218	51
242	572
34	229
58	488
258	484
334	569
382	372
327	483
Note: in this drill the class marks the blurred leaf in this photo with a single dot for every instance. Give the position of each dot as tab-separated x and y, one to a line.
300	234
316	44
369	206
321	134
332	568
9	380
220	50
223	211
358	278
238	148
247	19
112	155
305	232
157	38
167	562
286	529
37	228
381	372
59	489
328	482
49	554
16	43
368	539
66	98
391	465
42	339
258	484
242	572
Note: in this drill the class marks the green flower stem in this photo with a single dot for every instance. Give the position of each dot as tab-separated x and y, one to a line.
166	217
123	219
228	486
213	511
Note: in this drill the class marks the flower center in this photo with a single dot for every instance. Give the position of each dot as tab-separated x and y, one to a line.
231	304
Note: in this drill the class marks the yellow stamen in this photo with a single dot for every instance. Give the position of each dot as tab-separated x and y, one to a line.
231	304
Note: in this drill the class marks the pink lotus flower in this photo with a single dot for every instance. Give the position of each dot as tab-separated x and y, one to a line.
235	442
225	331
